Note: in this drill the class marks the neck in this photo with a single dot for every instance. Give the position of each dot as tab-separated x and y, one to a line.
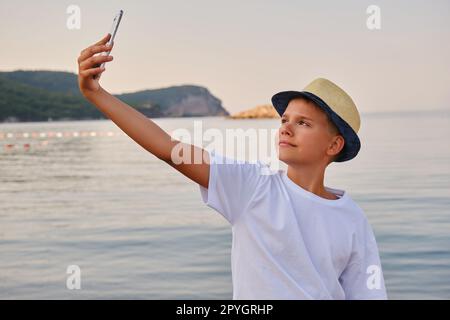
310	179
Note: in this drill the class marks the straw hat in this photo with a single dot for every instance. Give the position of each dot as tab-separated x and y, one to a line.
337	104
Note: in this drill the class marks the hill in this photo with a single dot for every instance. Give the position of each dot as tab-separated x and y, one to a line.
44	95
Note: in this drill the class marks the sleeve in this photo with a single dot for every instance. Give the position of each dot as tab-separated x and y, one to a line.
363	279
231	185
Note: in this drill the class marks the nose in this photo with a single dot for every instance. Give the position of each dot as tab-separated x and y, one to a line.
285	129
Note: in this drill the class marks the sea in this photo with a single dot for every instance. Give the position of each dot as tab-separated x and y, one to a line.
87	213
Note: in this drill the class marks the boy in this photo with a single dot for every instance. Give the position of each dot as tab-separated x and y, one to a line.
293	237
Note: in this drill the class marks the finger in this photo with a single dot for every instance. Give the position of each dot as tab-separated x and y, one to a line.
89	52
86	52
94	61
104	40
92	72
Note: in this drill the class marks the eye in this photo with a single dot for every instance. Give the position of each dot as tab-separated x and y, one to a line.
283	120
301	121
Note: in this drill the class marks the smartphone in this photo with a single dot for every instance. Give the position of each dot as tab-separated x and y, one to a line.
113	32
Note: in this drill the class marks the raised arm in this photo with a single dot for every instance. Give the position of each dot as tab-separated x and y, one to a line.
136	125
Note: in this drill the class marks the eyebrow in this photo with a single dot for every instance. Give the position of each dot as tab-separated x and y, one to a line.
297	115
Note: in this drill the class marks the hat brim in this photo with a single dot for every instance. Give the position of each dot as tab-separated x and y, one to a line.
352	143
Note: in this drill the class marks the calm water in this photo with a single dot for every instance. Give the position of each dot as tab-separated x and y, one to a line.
138	229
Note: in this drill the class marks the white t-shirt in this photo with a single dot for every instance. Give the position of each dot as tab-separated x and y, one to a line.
289	243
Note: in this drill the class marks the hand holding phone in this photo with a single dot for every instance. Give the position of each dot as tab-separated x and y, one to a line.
89	63
113	32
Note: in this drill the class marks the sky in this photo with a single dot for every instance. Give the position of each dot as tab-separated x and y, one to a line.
246	51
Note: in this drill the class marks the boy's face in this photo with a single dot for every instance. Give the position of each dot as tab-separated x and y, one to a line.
306	134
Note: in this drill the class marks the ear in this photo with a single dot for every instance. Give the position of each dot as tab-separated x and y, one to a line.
336	145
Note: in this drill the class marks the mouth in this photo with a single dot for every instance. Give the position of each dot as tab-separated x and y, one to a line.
285	144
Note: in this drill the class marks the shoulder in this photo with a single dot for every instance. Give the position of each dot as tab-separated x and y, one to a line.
354	212
363	230
235	169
